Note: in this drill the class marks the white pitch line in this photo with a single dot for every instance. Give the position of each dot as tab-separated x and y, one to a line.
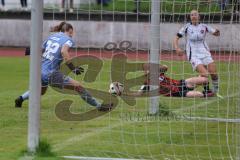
205	103
75	139
214	119
94	158
208	118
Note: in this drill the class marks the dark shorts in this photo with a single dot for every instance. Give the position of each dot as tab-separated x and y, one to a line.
182	90
56	79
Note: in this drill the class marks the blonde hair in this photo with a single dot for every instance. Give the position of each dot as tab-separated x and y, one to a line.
194	10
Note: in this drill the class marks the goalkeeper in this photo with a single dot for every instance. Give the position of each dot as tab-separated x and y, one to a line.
174	88
55	51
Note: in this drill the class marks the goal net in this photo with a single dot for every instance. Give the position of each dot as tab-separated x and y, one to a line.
116	34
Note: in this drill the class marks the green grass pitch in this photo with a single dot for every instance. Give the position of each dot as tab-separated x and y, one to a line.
127	131
167	6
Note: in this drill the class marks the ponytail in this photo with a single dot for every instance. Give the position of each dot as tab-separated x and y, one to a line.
62	27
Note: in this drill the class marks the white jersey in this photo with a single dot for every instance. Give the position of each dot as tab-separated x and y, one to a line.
196	45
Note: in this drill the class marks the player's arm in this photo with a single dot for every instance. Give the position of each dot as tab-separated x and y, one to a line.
141	92
66	57
213	31
134	94
216	33
176	44
182	32
65	53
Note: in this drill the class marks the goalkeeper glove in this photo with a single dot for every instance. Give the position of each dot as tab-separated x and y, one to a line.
78	70
75	70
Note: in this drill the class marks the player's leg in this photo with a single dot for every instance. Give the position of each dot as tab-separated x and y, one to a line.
213	72
25	96
62	8
72	84
192	94
191	83
20	99
194	81
25	3
58	80
201	69
22	3
71	6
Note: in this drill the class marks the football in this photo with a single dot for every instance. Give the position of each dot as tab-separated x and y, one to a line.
116	88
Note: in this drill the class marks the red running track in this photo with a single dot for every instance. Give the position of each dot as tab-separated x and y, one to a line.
136	55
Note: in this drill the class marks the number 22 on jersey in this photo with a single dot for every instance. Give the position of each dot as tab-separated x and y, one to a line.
51	48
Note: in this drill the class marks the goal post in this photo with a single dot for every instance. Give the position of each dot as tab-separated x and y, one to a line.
154	54
35	75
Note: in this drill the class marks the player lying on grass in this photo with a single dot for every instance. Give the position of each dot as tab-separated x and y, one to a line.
174	88
56	50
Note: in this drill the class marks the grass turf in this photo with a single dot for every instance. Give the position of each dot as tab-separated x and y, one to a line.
127	131
167	6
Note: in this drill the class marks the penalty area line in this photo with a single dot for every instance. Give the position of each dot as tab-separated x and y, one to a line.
237	120
204	104
81	137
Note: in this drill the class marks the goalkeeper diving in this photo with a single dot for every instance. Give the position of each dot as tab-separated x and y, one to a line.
173	88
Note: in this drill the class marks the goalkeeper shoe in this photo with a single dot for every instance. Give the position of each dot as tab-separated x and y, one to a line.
18	102
208	93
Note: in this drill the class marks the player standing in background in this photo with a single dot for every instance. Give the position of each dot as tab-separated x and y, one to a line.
55	51
2	6
24	4
65	5
197	50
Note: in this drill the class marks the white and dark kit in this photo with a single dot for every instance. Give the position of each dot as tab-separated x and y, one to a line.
196	46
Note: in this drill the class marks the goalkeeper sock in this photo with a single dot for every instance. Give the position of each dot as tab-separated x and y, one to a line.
206	88
215	86
89	99
25	95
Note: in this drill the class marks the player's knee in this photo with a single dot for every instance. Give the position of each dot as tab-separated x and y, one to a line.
204	80
205	75
214	76
79	89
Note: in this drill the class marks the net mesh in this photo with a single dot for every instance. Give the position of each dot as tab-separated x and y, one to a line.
184	128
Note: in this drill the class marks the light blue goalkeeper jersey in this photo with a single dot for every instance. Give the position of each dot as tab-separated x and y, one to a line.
52	57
